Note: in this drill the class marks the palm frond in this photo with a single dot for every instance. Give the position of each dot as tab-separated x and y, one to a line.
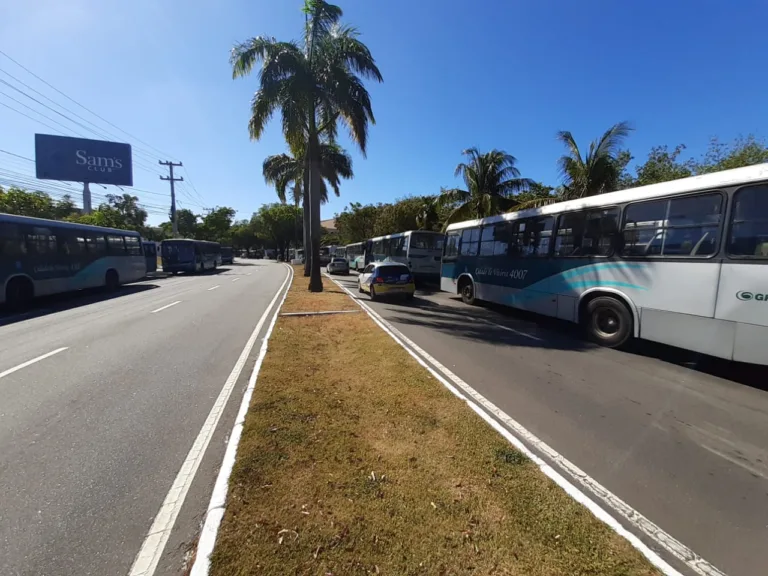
463	212
610	142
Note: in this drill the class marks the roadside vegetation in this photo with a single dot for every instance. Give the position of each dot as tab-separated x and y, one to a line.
354	460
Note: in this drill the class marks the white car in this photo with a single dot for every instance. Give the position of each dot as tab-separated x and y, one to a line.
338	266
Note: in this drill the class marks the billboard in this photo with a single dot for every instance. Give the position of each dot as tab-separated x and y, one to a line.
82	160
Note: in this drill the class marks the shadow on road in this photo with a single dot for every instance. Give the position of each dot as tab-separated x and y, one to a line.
69	300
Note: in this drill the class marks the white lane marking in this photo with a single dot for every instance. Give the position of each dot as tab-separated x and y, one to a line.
235	279
248	273
213	287
521	438
509	329
157	537
215	511
30	362
166	306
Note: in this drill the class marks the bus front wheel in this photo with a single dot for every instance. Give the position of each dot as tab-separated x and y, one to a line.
19	293
112	281
608	322
467	291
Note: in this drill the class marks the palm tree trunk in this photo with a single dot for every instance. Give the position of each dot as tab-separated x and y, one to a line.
306	208
315	278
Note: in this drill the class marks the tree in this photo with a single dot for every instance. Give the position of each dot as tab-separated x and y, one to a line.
491	180
187	222
742	152
286	173
276	223
356	223
599	171
429	217
64	208
216	225
314	85
662	166
26	203
130	215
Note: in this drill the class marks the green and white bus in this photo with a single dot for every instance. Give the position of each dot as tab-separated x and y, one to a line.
683	263
43	257
355	255
420	250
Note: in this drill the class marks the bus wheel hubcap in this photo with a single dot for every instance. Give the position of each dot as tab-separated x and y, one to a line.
607	322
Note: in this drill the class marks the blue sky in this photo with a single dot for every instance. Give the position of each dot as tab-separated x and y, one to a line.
490	73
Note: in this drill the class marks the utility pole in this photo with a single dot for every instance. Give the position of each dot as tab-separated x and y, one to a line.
171	179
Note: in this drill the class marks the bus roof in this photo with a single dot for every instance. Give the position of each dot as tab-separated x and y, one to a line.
407	233
190	240
723	179
31	221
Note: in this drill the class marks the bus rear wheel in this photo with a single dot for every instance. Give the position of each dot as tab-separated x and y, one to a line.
112	281
19	293
608	322
467	291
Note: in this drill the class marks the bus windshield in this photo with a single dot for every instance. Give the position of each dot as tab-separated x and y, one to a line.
424	241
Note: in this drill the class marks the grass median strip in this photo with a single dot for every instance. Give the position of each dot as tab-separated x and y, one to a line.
354	460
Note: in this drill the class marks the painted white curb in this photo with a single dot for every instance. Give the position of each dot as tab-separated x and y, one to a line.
215	510
521	434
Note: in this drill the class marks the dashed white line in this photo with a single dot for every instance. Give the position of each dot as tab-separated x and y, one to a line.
166	306
248	273
213	287
30	362
235	279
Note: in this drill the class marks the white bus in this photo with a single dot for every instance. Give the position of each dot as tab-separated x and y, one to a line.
355	255
683	263
42	257
420	250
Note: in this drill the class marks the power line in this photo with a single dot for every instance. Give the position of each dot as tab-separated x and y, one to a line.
109	134
33	119
136	161
81	106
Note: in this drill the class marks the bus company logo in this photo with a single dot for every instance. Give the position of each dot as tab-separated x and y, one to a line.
746	296
97	163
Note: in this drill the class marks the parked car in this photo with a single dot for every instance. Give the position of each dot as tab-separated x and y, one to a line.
338	266
382	279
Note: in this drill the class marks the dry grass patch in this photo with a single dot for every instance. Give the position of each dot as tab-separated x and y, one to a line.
354	460
300	300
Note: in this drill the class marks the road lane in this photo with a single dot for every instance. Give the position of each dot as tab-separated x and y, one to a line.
92	438
687	449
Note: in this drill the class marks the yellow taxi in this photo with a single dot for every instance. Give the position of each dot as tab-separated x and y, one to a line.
384	279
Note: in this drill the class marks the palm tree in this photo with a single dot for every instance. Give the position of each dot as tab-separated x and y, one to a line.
599	171
314	85
491	180
428	216
285	172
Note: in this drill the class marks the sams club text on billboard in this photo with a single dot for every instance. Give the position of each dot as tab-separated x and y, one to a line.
83	160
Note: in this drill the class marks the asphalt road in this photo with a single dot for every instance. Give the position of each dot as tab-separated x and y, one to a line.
681	438
92	437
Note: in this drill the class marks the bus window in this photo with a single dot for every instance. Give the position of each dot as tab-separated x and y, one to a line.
96	244
687	226
12	242
41	241
132	245
452	244
531	237
70	243
470	240
585	233
748	236
115	244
